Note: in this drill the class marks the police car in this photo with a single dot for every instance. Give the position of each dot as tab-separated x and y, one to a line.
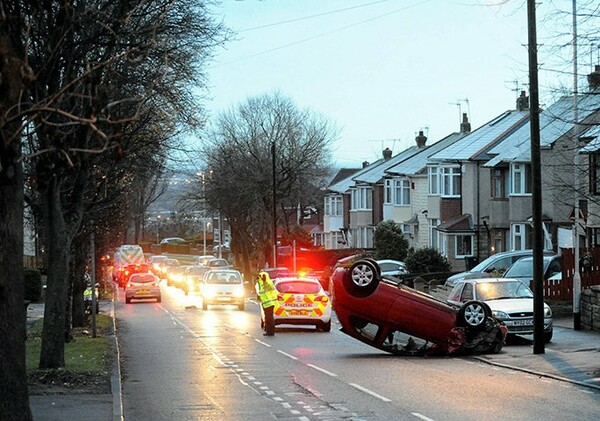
301	301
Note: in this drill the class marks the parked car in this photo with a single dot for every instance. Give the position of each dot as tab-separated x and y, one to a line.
494	265
398	319
173	240
301	301
523	269
142	286
129	270
391	267
510	300
222	287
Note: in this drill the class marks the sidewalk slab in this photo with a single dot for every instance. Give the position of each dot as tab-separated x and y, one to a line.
72	407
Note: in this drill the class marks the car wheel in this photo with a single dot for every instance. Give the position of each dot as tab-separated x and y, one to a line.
473	314
548	336
127	300
241	307
374	262
158	299
326	327
362	278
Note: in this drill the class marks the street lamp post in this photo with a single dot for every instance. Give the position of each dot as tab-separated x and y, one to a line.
206	226
157	229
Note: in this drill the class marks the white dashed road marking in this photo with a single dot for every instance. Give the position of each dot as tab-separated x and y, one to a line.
370	392
322	370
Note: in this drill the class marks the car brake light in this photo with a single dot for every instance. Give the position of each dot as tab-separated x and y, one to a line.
322	298
279	297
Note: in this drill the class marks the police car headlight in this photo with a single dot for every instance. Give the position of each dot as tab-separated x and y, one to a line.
500	315
210	292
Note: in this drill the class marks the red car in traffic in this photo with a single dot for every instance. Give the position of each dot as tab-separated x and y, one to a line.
123	276
402	320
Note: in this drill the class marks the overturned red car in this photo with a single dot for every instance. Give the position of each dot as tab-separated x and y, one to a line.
400	320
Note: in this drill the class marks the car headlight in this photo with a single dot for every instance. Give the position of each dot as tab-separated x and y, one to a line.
500	315
239	292
210	292
547	311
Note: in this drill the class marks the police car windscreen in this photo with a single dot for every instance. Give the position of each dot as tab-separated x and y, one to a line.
298	287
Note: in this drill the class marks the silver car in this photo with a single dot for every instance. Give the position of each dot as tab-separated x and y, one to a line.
510	300
142	286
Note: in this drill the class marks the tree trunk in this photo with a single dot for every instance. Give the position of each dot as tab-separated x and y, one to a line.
14	396
52	353
78	282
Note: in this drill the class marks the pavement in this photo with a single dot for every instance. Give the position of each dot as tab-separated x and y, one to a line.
573	357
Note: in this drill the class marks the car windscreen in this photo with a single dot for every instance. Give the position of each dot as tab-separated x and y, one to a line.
502	290
524	268
197	270
142	279
298	287
224	278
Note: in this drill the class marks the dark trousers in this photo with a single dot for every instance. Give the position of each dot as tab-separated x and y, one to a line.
269	321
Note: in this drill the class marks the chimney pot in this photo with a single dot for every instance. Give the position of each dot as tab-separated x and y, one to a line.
421	139
365	164
387	153
522	102
465	126
594	78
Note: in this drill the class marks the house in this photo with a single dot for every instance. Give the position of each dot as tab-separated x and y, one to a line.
336	216
458	185
510	211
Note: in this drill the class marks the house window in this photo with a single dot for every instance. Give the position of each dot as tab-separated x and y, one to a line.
463	246
450	181
433	174
443	243
520	235
333	206
402	192
498	184
362	198
433	233
387	191
521	179
595	173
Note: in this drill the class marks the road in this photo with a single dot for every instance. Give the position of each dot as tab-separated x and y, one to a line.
182	363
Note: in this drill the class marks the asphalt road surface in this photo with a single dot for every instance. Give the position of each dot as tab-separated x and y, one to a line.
182	363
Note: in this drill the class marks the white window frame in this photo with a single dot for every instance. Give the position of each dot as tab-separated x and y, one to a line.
362	198
450	179
433	177
402	192
333	205
518	233
434	235
387	191
519	185
457	242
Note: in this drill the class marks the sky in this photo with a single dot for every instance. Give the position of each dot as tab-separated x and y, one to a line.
380	71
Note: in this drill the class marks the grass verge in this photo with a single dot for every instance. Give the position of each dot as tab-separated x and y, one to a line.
88	360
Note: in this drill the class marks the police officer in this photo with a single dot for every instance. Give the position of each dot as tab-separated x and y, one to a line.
268	297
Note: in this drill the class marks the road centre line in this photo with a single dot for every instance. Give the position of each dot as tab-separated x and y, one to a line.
322	370
287	355
423	417
370	392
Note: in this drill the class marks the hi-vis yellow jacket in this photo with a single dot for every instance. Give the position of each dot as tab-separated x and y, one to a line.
266	290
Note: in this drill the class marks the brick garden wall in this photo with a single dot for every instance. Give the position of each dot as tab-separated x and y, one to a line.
590	308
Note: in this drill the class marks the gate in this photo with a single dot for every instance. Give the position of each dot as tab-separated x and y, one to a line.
589	265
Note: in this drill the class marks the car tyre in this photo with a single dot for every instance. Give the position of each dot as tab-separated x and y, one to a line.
362	278
241	307
374	262
548	336
159	299
325	326
473	314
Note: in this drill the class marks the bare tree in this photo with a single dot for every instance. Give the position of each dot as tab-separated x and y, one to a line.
238	156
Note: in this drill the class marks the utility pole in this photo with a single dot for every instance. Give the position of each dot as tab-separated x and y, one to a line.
93	277
576	274
274	204
536	173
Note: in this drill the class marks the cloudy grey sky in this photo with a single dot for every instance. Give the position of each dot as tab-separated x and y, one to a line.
380	70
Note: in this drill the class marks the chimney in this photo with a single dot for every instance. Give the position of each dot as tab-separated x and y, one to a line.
421	139
522	102
594	78
387	153
465	126
365	164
